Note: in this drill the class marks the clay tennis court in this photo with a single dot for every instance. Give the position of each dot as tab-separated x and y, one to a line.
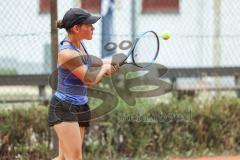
212	158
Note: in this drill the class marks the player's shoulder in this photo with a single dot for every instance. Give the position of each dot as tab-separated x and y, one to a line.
68	53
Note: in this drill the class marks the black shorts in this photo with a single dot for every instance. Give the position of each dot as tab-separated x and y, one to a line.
61	111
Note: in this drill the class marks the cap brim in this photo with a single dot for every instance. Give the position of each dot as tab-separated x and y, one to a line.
91	20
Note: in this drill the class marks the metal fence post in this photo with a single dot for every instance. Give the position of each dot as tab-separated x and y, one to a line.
42	93
133	20
54	50
237	84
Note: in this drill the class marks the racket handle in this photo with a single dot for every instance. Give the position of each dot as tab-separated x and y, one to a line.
119	59
122	63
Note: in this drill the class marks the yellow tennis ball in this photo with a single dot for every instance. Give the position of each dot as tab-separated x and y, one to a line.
165	36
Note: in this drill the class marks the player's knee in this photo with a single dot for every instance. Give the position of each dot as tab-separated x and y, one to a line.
76	154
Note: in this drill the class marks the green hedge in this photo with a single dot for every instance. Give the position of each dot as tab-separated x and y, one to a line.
8	71
24	134
183	127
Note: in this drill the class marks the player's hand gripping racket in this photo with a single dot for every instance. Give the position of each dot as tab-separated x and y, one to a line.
144	50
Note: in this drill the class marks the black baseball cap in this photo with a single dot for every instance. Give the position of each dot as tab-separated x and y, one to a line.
76	16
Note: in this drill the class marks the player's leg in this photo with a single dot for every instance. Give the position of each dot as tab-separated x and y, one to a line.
60	152
82	132
71	140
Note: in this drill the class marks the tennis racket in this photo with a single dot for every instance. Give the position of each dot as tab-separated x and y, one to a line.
144	50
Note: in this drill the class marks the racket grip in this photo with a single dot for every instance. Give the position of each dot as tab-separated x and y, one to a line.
122	63
119	59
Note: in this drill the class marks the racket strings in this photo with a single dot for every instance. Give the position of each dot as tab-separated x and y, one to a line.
146	49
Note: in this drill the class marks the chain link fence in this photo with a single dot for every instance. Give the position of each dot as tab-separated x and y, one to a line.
204	33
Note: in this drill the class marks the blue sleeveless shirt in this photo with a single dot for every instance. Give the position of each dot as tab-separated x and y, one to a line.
70	88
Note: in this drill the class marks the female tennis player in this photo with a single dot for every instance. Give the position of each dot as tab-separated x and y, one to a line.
69	102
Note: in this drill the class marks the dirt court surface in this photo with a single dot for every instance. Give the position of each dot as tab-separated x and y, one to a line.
212	158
